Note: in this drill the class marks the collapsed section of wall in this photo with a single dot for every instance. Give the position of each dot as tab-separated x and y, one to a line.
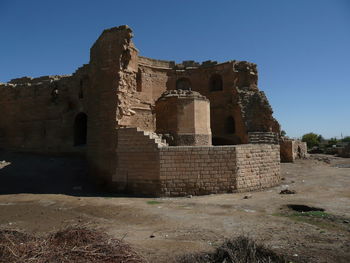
39	114
292	150
146	165
113	78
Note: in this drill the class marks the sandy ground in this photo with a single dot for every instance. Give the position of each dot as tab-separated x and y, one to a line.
40	194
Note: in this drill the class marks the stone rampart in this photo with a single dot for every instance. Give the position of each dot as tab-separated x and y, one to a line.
38	114
148	166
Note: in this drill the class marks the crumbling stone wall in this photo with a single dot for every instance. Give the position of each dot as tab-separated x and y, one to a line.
263	138
292	150
118	89
345	151
113	67
221	100
151	82
123	82
238	98
38	114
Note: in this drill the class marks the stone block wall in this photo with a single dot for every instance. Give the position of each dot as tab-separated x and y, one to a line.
146	165
258	166
38	114
345	151
263	137
197	170
137	162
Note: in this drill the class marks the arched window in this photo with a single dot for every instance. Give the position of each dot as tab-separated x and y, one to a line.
183	83
230	125
80	129
215	83
81	90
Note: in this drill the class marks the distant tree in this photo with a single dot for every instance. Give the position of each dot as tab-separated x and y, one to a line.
346	139
332	141
320	138
283	133
311	139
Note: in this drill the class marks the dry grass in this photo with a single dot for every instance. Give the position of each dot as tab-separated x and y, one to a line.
239	250
73	244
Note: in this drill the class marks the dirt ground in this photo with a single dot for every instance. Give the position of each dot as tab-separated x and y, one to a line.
41	194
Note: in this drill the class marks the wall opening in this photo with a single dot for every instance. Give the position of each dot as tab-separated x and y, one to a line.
183	84
299	152
215	83
230	125
80	129
81	91
217	141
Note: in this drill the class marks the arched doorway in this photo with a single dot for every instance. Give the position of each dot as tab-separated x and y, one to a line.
80	129
230	125
215	83
183	84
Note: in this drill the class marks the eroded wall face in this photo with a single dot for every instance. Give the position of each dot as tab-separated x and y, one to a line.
287	154
150	84
118	89
222	105
292	150
345	152
38	115
236	105
113	67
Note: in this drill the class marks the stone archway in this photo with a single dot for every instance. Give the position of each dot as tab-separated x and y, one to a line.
80	129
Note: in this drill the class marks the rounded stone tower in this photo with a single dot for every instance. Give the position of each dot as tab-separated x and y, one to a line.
183	118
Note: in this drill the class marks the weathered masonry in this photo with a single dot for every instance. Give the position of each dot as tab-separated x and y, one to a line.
149	126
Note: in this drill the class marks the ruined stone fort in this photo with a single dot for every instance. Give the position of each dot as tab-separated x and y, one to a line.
151	127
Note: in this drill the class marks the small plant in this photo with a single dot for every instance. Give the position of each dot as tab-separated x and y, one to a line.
313	216
316	214
237	250
153	202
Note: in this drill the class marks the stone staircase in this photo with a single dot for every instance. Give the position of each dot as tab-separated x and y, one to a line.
137	140
157	138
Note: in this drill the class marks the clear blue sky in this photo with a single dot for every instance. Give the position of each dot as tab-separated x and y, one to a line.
302	47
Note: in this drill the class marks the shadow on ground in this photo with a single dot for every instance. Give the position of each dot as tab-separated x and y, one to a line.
43	174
